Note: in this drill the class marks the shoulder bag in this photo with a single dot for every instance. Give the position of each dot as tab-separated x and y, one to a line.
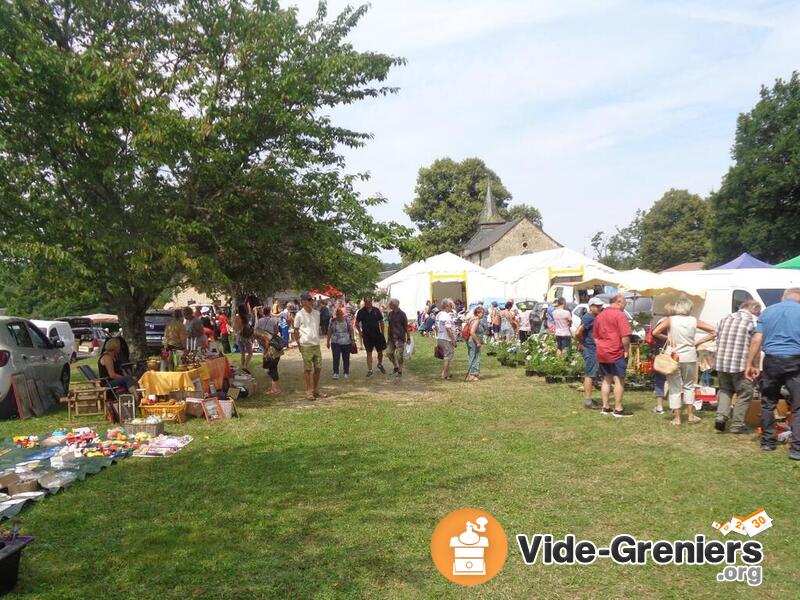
664	362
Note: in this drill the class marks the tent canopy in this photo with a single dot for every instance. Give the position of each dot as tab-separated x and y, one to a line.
529	276
792	263
440	276
745	261
645	283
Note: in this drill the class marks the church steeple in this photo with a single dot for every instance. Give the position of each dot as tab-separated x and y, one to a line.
490	216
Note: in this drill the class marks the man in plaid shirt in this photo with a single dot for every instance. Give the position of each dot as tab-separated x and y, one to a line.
733	341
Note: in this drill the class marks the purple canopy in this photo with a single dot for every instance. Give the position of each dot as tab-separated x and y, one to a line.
745	261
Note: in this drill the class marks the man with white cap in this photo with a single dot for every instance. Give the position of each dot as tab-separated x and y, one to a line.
585	338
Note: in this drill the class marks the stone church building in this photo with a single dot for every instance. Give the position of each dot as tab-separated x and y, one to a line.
497	239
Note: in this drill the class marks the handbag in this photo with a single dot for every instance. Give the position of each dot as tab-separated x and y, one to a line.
353	348
437	352
664	362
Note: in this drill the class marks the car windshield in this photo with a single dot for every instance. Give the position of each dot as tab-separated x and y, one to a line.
771	296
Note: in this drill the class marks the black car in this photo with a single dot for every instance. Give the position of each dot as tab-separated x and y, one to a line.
155	323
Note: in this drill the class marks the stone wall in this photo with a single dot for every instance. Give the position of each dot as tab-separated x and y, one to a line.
524	237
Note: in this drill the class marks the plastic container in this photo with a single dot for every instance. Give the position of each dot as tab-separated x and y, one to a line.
9	562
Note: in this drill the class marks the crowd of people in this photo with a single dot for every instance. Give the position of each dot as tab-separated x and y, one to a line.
603	337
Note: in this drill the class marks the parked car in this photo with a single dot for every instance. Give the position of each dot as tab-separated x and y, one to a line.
59	331
81	329
155	323
637	329
25	349
91	342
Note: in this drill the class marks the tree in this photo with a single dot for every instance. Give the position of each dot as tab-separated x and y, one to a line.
757	208
620	250
674	231
449	198
519	211
147	143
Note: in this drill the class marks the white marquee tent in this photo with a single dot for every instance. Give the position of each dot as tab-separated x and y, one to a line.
529	276
441	276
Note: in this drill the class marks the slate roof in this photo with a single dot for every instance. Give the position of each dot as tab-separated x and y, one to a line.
486	237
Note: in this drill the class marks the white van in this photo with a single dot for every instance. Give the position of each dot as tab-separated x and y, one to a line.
726	289
59	331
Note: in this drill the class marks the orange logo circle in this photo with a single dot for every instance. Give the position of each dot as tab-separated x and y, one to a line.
469	546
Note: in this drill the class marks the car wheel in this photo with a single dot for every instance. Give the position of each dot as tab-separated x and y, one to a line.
65	374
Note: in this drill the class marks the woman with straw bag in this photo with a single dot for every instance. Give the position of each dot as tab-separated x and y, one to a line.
679	331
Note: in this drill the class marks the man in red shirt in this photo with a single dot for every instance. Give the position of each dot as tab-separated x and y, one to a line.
612	336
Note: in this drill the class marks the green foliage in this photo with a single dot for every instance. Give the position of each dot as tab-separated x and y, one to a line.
147	143
674	231
757	209
620	250
523	211
449	198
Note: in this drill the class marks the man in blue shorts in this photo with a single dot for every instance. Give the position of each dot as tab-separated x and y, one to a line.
585	338
612	336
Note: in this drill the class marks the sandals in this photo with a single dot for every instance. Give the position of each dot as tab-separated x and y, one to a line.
320	395
694	419
675	423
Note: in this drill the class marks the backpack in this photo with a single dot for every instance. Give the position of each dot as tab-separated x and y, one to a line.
466	331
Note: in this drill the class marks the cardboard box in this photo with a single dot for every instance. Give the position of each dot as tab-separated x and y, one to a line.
8	479
194	407
23	486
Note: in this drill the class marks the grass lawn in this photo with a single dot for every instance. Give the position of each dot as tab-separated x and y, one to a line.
338	498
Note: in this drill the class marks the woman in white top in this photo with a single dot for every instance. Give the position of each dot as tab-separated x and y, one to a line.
679	331
446	335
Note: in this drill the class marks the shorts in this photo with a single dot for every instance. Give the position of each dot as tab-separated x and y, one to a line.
614	369
589	362
374	342
245	344
496	328
563	342
447	347
312	357
524	335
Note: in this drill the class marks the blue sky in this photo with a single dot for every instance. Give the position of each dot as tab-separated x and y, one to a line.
587	110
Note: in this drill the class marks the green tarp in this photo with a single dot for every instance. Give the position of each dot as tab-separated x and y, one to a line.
792	263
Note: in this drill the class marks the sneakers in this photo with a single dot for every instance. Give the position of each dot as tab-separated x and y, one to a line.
395	371
369	373
622	413
591	404
346	375
794	454
381	369
657	411
606	411
398	373
336	376
767	448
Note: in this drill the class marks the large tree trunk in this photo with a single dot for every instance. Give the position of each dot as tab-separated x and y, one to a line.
131	313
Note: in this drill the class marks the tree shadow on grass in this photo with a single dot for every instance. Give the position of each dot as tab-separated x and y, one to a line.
327	519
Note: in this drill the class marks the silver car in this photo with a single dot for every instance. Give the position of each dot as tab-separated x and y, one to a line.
25	349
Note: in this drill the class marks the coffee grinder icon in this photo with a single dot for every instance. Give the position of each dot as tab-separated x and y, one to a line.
469	549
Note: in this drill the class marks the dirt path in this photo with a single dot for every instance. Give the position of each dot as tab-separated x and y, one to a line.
342	392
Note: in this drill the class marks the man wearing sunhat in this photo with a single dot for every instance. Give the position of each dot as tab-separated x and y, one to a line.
306	334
